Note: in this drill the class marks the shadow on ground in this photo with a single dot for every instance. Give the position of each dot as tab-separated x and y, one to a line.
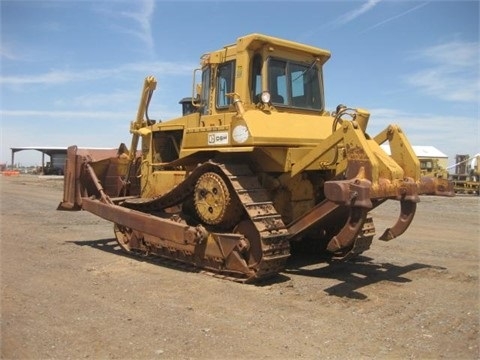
352	275
111	246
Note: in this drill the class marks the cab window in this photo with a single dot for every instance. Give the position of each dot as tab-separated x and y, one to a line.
256	79
295	84
225	84
205	91
277	81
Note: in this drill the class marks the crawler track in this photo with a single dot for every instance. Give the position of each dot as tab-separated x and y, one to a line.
261	226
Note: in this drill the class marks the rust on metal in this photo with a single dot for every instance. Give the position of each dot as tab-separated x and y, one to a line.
407	212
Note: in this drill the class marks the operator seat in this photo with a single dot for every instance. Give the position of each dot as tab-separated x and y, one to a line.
277	99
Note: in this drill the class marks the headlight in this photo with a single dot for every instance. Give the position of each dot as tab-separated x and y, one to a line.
265	97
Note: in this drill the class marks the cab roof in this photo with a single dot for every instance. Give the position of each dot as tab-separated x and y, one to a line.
256	41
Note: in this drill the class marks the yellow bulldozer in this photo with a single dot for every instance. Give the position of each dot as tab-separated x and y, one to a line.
254	167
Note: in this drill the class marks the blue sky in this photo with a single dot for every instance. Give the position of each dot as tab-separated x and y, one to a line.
72	71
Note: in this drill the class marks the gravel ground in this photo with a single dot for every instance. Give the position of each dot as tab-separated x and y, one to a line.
68	292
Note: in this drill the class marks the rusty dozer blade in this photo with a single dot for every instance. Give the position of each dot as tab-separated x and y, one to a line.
166	236
109	167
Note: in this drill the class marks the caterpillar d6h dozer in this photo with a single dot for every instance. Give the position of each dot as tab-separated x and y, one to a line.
254	166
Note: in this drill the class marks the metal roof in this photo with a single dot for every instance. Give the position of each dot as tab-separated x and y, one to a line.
47	150
420	151
50	150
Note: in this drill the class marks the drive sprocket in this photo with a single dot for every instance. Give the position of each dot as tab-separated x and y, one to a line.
213	202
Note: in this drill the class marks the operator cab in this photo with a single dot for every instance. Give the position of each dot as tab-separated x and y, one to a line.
261	71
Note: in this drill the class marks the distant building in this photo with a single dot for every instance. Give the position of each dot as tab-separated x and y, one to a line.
57	155
431	159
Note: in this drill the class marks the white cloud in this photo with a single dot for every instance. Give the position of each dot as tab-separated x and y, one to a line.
454	53
453	74
66	115
157	68
99	100
141	16
395	17
6	52
70	115
344	18
352	15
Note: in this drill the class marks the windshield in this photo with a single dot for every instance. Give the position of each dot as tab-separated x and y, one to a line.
295	85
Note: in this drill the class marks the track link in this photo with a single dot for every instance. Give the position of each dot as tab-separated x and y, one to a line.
272	233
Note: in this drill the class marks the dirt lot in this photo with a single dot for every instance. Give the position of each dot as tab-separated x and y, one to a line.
67	292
